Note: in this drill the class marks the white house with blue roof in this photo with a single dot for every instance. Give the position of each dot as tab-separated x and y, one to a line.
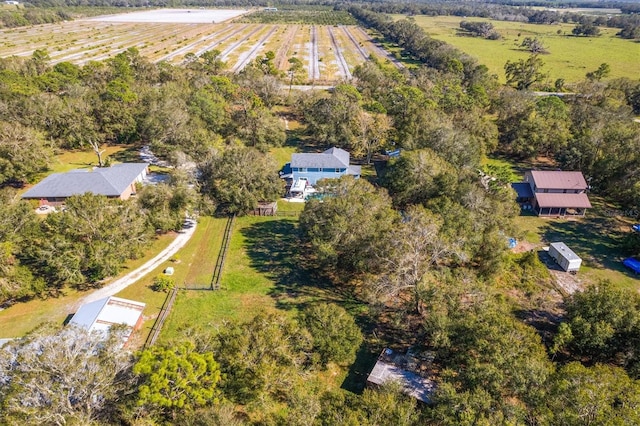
117	181
330	164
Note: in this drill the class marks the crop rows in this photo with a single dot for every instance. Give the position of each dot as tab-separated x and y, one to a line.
328	53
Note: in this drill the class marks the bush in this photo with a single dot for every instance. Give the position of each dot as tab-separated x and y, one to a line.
163	283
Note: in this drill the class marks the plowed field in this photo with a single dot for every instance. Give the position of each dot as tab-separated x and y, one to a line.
329	53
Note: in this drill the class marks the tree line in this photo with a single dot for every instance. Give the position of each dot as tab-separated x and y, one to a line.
425	248
628	21
186	114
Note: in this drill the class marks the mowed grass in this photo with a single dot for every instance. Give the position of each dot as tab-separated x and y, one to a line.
192	265
265	271
596	238
569	57
81	159
262	272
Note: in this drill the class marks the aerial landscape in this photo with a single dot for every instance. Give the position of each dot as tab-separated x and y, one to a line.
320	212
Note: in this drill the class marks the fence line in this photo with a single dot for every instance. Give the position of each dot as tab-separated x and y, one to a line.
222	255
288	213
162	316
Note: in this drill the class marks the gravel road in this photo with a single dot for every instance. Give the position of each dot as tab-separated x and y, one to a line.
120	284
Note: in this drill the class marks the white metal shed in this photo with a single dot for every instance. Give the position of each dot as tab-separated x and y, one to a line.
565	257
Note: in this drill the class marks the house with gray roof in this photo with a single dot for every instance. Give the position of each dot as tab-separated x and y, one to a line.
117	181
554	192
330	164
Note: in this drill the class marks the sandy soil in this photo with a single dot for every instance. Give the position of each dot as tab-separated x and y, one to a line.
245	58
363	53
174	16
314	65
282	56
337	50
328	53
225	53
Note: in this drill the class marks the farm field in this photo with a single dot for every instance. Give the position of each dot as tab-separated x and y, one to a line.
329	53
569	57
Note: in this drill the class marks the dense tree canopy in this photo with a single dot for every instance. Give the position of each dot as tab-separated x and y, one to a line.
603	325
345	228
62	376
421	259
239	178
176	379
336	337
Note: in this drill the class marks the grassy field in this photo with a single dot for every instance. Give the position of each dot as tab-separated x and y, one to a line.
569	57
81	159
264	271
596	238
260	261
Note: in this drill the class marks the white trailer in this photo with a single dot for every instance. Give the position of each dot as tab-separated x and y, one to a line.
565	257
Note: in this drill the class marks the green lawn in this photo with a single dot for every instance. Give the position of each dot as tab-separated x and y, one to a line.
595	238
569	57
82	159
260	263
264	271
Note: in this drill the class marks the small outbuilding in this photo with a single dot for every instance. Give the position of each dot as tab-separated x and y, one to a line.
266	208
168	270
409	371
565	257
102	314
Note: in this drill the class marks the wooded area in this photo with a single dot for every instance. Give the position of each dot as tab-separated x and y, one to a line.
418	254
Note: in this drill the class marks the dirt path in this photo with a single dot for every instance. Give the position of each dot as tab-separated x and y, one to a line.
337	50
234	46
287	43
222	40
120	284
314	65
140	40
192	45
114	36
380	51
243	61
359	48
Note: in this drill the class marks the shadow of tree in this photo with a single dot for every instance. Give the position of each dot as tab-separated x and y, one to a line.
595	239
359	371
274	249
128	155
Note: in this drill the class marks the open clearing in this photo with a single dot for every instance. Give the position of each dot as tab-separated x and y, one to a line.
569	57
177	16
328	53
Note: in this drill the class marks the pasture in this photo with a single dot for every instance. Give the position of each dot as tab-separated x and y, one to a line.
569	57
329	53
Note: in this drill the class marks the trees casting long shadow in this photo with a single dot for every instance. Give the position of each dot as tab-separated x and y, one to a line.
274	249
595	239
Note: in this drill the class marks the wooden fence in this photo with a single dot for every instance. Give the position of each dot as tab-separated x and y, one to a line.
222	254
162	316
